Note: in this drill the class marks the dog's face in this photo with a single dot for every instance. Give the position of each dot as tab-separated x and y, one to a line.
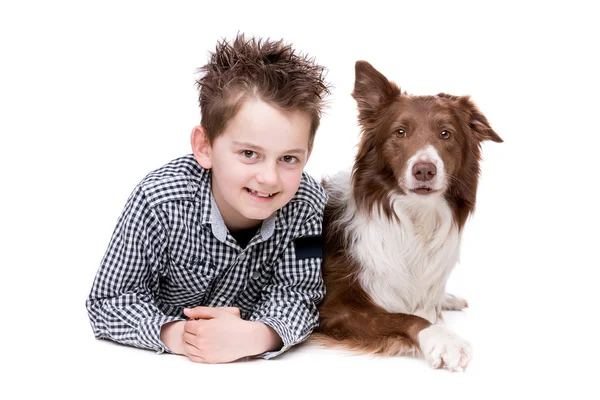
423	145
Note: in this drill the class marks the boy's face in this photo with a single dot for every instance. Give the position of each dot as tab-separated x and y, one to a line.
256	162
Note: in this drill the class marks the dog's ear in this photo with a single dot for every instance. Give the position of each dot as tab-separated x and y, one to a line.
371	89
477	122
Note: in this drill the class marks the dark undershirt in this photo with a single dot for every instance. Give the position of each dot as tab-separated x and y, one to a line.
244	236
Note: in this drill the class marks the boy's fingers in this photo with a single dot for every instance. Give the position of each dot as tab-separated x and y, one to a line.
189	341
231	310
196	358
201	312
210	312
190	327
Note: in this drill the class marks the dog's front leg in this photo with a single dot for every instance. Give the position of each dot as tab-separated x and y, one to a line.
443	348
372	329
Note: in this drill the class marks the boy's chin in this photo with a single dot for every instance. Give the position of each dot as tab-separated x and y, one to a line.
259	215
261	210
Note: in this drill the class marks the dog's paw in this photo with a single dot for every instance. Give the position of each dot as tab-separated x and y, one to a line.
453	303
443	348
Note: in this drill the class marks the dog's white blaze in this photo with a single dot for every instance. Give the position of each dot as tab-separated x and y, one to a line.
404	266
427	154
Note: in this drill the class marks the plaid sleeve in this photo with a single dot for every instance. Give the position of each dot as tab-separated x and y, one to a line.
289	303
120	305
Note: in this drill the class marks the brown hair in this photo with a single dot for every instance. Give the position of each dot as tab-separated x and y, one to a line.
271	71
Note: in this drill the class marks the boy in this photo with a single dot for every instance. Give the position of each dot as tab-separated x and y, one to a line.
216	255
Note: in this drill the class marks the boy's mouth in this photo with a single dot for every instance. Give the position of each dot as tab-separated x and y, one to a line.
260	194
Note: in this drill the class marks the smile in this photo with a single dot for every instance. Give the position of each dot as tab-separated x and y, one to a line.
260	194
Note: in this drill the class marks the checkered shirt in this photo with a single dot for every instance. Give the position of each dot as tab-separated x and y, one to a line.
171	250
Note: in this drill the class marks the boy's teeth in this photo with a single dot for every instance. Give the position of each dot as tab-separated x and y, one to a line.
260	194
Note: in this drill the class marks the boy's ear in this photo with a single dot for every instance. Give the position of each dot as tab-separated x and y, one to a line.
201	147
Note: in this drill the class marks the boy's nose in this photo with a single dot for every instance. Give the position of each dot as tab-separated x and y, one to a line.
267	175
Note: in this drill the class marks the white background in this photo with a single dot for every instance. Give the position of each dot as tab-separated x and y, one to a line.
94	96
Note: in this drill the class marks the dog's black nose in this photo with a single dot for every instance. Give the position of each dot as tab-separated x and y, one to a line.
424	171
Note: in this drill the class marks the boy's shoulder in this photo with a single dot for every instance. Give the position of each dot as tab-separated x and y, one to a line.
177	180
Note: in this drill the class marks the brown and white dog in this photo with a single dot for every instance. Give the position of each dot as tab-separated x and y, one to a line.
393	224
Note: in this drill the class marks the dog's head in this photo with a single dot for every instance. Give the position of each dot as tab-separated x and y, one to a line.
415	145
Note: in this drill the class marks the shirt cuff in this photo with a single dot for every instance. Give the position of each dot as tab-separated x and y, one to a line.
150	332
287	337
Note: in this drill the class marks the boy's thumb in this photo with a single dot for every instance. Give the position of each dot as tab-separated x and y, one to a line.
200	312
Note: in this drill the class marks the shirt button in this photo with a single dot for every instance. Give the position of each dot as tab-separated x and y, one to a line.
255	275
242	257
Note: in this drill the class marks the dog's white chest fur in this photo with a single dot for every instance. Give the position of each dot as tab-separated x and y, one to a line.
405	264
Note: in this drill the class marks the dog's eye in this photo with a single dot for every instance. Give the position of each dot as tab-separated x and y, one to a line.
401	133
445	134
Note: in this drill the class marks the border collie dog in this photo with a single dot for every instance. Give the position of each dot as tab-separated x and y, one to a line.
393	224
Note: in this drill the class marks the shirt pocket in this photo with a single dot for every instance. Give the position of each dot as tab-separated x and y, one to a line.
253	287
189	283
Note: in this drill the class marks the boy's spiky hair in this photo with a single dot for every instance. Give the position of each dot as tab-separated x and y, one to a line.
271	71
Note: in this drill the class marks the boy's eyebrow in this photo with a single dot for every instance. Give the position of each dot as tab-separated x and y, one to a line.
254	147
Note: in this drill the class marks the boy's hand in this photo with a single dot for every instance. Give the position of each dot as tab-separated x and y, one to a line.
232	310
219	335
171	334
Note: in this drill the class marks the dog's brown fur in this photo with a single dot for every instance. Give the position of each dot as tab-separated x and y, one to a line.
349	317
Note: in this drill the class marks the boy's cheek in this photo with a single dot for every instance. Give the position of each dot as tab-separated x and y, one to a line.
292	179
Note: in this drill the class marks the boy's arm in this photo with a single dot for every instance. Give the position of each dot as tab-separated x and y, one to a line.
218	335
289	302
121	303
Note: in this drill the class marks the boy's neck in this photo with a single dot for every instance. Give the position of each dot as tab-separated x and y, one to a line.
244	228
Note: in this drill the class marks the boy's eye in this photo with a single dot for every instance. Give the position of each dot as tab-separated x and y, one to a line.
248	153
289	159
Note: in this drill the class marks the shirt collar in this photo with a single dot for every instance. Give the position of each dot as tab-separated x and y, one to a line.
200	190
206	207
216	221
219	229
